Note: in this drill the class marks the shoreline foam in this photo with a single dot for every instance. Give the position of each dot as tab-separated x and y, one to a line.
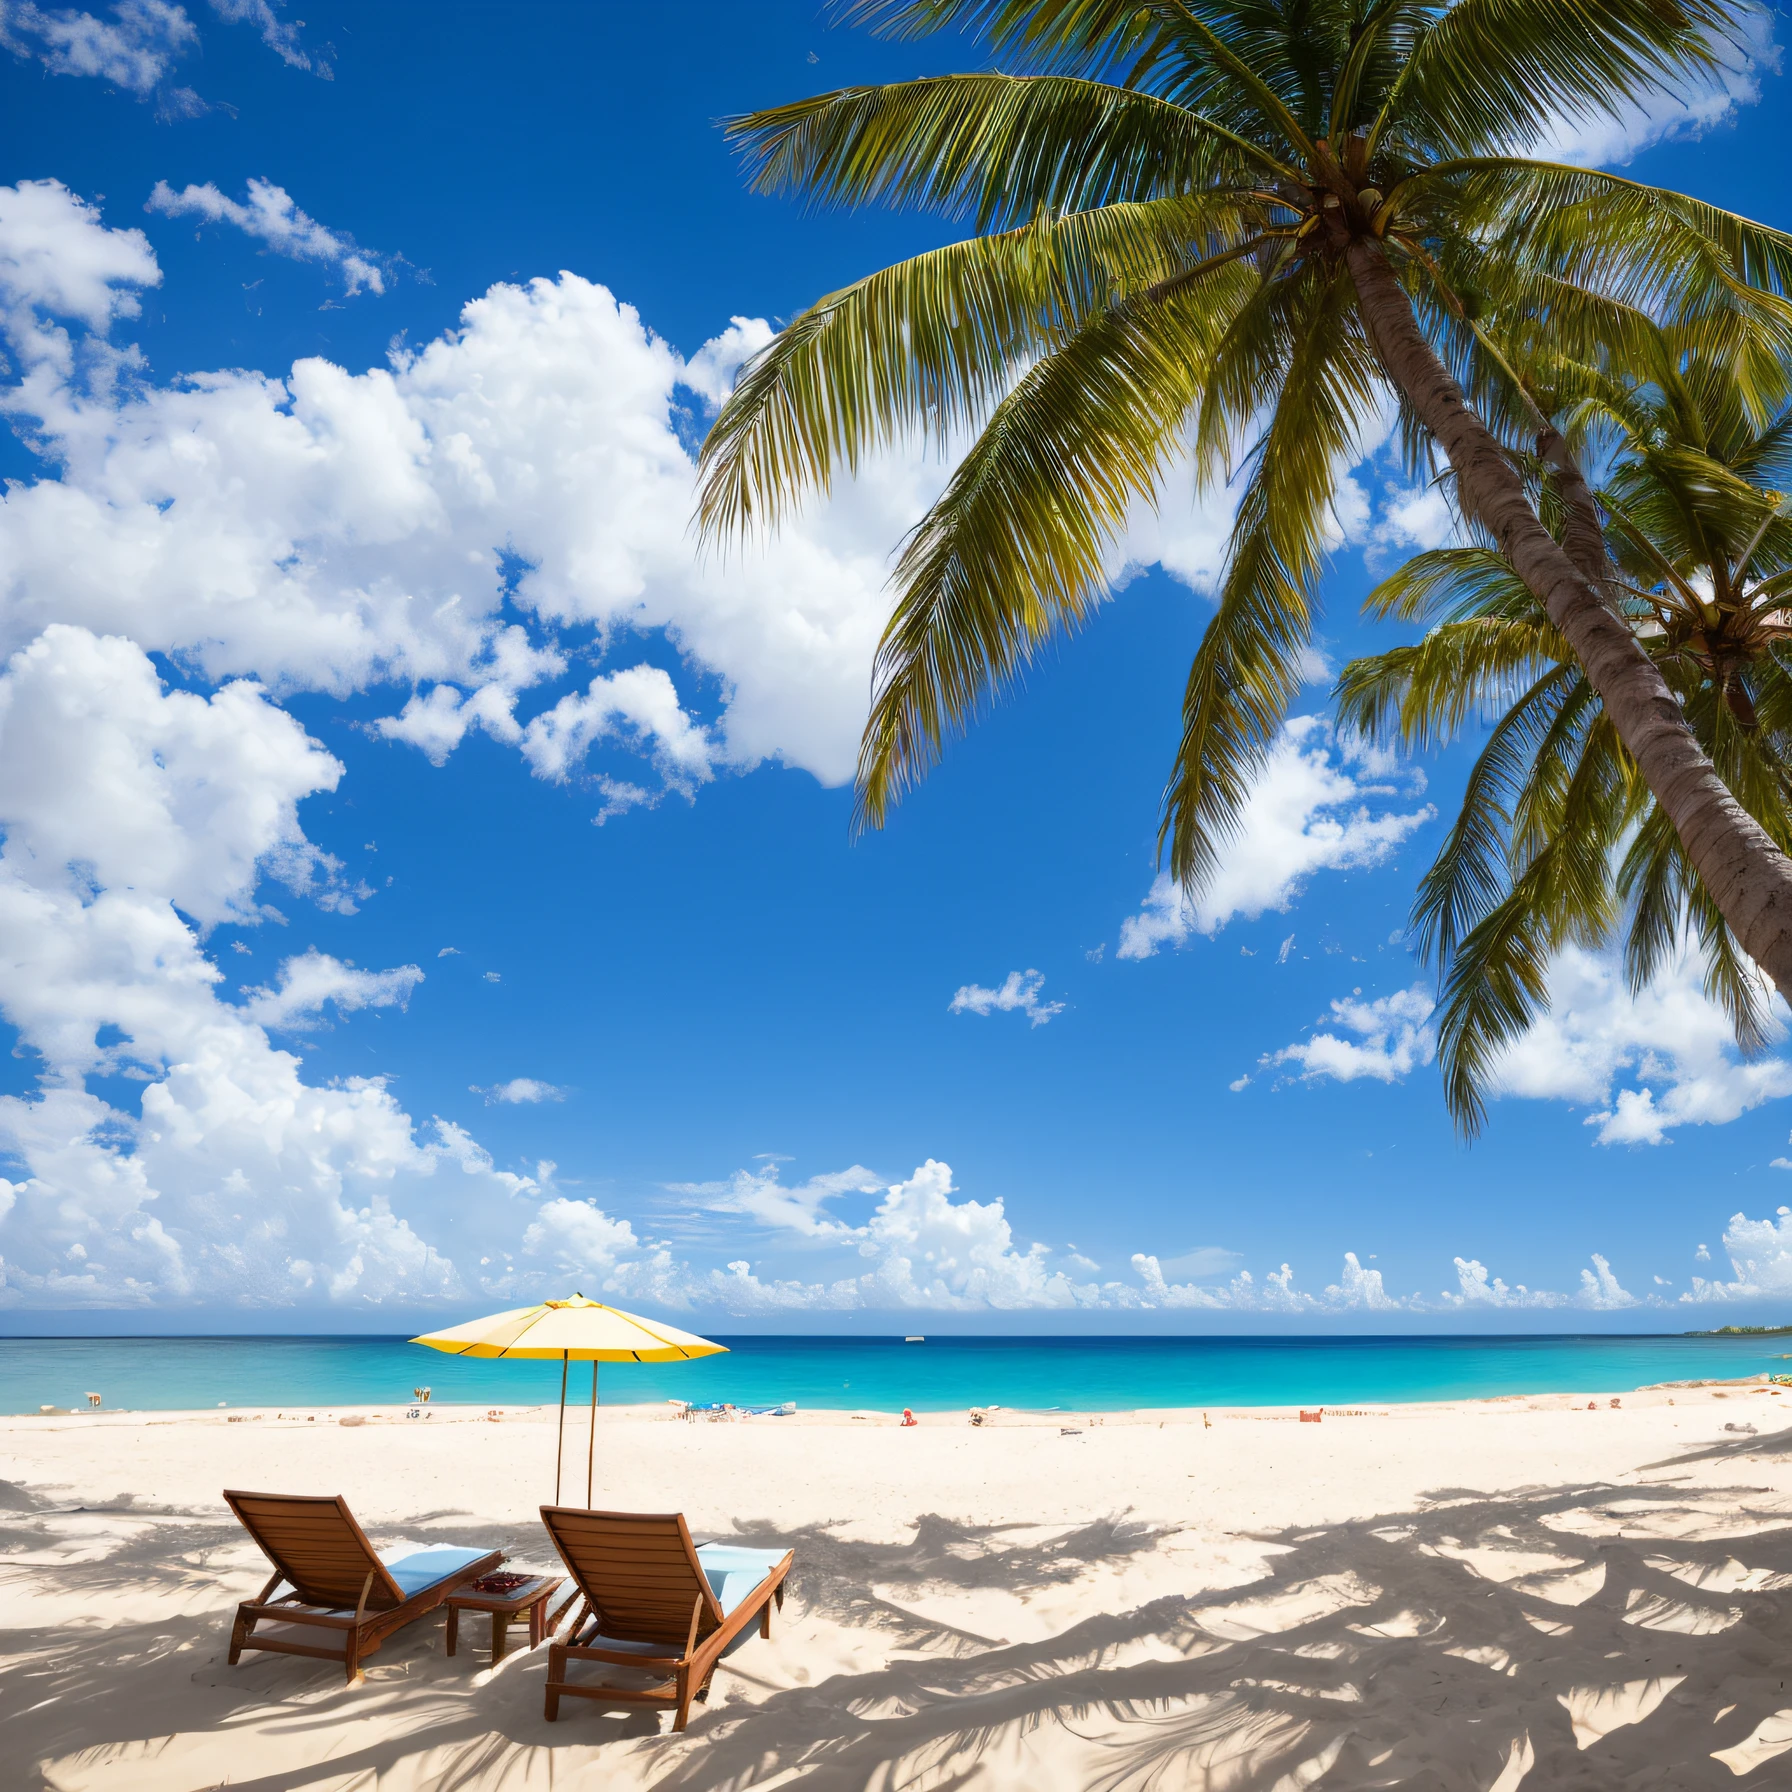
463	1411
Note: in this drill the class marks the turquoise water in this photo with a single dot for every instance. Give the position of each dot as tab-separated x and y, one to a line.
944	1374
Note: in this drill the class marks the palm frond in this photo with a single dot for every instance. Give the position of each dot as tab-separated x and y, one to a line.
1496	987
1497	981
1472	870
1497	74
1450	585
1019	545
1425	693
1655	250
931	345
1248	665
1732	979
992	148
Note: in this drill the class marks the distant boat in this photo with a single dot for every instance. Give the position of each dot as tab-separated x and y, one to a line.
914	1340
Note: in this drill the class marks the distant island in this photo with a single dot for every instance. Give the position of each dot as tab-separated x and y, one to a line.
1744	1331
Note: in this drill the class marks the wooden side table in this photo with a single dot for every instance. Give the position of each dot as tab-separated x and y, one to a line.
530	1599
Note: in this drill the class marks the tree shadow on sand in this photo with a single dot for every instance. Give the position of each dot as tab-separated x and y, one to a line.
1565	1638
1579	1637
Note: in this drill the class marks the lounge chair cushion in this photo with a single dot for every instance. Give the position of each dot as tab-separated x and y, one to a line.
733	1572
618	1645
422	1568
413	1569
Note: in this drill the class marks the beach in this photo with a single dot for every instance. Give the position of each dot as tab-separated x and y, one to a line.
1474	1594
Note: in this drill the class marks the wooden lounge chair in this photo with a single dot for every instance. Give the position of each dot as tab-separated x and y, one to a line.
656	1603
344	1600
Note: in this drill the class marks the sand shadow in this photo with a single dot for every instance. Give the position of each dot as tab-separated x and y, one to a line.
1571	1638
1747	1443
1559	1638
108	1695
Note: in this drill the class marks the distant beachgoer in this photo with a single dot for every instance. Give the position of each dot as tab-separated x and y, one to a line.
908	1418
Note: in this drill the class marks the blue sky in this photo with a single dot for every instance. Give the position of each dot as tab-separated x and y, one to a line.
341	613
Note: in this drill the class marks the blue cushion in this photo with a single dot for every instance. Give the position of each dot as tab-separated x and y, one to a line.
629	1646
733	1573
424	1567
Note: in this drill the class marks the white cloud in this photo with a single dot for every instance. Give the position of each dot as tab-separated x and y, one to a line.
522	1089
336	531
1393	1037
314	978
920	1248
1357	1290
796	1212
138	44
711	371
1603	139
1019	990
1599	1290
1207	1260
1187	535
1644	1063
923	1250
1760	1253
144	789
928	1250
581	1238
1420	517
1671	1044
1276	1293
1320	803
133	49
58	256
641	700
280	36
270	213
132	816
58	261
1361	1288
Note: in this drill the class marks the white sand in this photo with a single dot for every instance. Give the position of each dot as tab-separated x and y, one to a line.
1482	1595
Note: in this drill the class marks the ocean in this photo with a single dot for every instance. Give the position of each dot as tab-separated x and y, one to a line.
883	1374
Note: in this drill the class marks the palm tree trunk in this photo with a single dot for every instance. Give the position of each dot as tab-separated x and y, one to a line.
1583	540
1749	878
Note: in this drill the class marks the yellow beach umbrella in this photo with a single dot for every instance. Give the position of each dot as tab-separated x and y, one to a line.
575	1331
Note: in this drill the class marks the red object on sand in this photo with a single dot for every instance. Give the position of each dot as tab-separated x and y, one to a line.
908	1418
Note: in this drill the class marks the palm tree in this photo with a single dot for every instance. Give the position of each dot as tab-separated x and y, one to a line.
1234	228
1559	839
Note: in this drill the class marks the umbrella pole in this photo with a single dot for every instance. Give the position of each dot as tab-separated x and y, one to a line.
560	1446
591	1447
